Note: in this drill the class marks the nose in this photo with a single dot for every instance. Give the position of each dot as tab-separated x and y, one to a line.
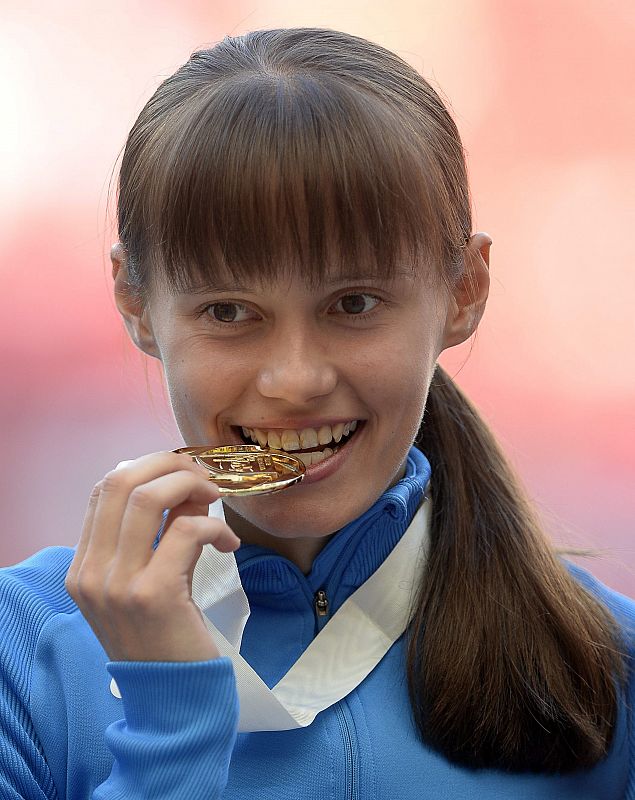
296	370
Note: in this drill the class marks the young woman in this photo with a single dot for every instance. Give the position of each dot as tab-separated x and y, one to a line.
296	248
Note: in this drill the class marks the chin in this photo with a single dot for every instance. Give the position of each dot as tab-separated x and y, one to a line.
281	516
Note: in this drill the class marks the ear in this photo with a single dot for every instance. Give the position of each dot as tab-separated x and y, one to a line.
469	294
135	315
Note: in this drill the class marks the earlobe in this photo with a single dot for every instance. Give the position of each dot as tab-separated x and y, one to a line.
470	292
129	304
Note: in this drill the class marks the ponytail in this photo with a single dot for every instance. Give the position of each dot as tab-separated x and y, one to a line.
511	663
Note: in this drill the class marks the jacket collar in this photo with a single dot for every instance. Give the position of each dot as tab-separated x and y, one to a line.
352	555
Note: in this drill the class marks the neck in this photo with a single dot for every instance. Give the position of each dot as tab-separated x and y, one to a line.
300	550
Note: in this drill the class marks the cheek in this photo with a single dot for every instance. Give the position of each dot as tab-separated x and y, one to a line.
401	389
401	405
403	375
200	387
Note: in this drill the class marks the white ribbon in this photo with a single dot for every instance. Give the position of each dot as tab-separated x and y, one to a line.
344	652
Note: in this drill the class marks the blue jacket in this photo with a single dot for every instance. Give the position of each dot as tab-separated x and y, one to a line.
64	735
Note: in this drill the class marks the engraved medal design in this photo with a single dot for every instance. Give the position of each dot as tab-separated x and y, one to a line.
247	469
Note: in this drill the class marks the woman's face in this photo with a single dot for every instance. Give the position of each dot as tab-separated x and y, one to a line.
341	371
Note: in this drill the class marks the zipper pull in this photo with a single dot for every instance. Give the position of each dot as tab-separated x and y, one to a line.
321	603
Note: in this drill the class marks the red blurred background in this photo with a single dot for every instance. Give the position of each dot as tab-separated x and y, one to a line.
542	94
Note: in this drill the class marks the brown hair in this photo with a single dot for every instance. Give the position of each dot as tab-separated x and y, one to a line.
313	150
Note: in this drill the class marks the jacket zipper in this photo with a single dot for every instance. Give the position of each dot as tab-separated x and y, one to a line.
350	749
321	604
342	710
322	611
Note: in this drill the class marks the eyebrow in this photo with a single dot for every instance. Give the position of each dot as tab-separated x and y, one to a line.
216	287
335	280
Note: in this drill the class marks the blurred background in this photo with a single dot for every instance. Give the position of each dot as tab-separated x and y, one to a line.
542	94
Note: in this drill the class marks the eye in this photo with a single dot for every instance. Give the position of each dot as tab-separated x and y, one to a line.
358	303
229	312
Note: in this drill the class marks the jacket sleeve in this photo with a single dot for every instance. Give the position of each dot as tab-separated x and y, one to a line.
179	719
178	731
630	696
622	609
24	774
629	690
175	740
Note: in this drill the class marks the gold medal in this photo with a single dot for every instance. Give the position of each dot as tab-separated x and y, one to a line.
247	469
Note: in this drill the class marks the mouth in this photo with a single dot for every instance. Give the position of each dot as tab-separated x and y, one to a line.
310	445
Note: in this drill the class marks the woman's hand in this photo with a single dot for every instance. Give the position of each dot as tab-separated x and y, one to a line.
137	600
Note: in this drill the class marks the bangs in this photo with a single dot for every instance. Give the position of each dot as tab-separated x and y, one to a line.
266	176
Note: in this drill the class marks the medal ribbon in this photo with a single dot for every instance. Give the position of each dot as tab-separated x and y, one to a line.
344	652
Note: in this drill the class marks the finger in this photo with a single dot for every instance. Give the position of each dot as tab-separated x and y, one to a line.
185	509
188	508
80	588
115	490
87	524
144	514
82	545
181	547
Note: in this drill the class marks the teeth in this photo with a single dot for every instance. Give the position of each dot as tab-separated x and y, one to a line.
261	437
317	457
306	458
290	440
327	452
306	439
309	438
338	430
325	434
